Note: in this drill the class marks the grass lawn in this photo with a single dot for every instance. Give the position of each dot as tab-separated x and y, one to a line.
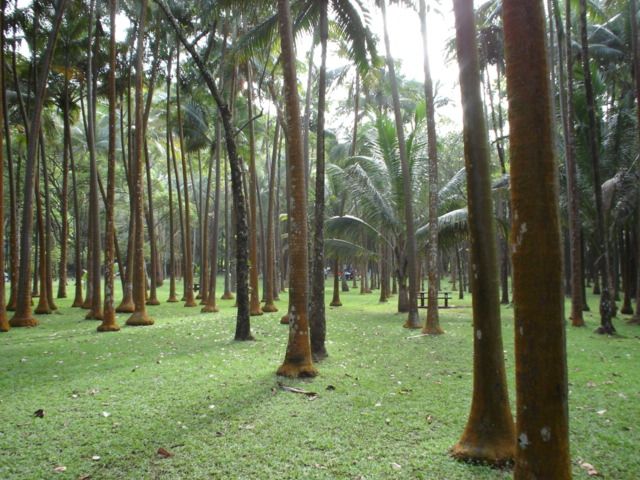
389	403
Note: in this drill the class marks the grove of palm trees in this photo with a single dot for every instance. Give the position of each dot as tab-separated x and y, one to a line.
349	264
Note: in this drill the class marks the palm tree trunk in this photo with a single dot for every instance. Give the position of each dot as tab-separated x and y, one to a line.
317	320
432	324
413	319
64	201
109	323
541	368
139	317
95	311
489	435
172	248
607	306
4	321
48	278
151	225
188	260
227	295
270	261
23	316
298	361
636	70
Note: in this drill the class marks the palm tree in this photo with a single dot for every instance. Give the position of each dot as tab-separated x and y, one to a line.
432	323
607	306
109	323
23	316
541	360
4	323
636	69
413	319
489	435
139	317
298	361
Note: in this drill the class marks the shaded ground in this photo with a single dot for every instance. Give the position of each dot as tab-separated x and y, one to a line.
389	404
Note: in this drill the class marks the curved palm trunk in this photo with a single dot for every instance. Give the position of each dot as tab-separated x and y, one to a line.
243	326
489	435
139	316
23	316
607	306
413	319
541	368
317	320
432	324
297	362
109	323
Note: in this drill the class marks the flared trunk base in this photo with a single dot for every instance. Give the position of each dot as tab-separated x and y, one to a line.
139	319
498	454
289	370
108	327
413	321
25	321
209	309
94	315
285	319
335	303
269	307
227	296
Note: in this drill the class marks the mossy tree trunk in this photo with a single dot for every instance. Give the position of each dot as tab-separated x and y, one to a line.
489	435
541	368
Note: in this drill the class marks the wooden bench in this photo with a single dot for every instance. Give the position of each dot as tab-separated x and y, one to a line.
424	296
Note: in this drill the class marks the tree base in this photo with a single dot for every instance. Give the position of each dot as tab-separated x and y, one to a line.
433	330
626	310
153	302
227	296
190	303
577	322
413	321
285	319
246	338
108	327
269	307
4	324
209	309
126	307
297	371
93	315
139	319
319	356
635	320
77	303
172	299
26	321
499	455
43	310
336	304
605	330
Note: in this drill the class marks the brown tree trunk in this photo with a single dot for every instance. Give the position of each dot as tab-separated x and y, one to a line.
43	298
23	316
271	219
64	196
607	306
139	317
298	360
432	323
413	319
636	69
541	370
317	320
172	248
151	225
489	435
109	323
4	321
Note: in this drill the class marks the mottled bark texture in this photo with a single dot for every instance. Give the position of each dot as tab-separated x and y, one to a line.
636	69
489	435
297	361
139	317
4	322
541	369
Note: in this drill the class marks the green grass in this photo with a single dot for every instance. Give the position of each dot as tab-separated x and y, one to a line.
398	405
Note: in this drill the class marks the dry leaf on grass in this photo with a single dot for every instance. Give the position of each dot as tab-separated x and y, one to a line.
164	453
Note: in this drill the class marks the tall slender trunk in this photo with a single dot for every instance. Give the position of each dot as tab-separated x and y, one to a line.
227	295
109	318
432	323
317	320
48	278
271	218
4	321
139	316
95	311
607	306
23	316
636	69
541	369
298	361
413	319
151	225
211	294
64	200
256	309
489	435
172	249
188	259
